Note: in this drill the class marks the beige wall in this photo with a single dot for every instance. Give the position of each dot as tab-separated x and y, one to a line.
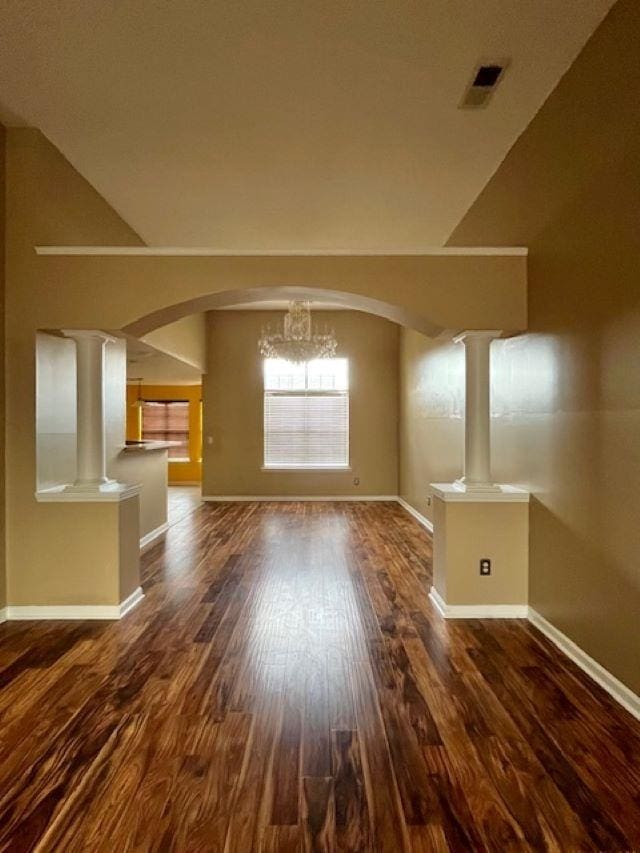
55	410
150	470
566	397
185	340
464	532
3	590
48	202
428	292
128	543
431	416
233	409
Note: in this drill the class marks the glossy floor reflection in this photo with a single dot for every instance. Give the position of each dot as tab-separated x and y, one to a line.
287	685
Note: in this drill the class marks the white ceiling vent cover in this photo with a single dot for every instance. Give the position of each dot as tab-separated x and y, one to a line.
484	81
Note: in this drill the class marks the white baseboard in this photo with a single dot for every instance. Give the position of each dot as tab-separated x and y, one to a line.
293	498
150	537
477	611
20	613
421	519
614	687
130	602
3	614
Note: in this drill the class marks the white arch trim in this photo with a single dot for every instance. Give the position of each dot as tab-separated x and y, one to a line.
229	298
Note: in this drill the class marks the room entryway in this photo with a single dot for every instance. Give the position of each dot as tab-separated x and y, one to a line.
182	501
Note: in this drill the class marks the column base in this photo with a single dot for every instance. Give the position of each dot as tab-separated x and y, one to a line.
463	486
104	485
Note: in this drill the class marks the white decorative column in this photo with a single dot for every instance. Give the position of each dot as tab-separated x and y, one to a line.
481	528
477	418
91	461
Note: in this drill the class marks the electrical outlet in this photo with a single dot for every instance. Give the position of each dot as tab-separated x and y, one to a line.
485	566
356	481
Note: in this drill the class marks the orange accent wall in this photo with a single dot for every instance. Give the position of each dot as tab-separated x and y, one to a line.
179	472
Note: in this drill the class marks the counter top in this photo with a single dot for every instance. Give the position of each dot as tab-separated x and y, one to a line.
147	446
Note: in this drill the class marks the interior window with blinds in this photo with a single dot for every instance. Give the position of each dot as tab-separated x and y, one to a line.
306	413
167	420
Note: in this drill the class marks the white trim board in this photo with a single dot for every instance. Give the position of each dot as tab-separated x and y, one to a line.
204	251
613	686
294	498
152	535
421	519
19	613
477	611
3	614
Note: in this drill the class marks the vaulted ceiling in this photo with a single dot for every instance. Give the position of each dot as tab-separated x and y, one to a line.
284	125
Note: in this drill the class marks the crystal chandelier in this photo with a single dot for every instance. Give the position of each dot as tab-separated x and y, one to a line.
299	340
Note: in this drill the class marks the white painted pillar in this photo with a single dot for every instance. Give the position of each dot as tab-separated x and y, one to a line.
91	461
477	421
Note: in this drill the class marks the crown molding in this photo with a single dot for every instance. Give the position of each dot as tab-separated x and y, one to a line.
186	251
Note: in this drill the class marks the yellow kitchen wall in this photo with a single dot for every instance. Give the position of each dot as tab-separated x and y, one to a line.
179	472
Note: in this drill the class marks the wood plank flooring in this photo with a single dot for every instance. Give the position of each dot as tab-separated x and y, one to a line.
286	685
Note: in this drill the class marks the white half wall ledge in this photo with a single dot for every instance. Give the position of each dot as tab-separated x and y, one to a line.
112	492
421	519
477	611
612	685
204	251
504	493
21	613
150	538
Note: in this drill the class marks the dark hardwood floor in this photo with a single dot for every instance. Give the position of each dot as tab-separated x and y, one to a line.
286	684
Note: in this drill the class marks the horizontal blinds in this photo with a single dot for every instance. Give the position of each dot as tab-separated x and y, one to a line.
306	430
167	421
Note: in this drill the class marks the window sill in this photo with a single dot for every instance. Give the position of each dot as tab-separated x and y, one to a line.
329	468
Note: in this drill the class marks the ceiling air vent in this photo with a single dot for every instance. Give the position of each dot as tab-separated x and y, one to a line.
484	81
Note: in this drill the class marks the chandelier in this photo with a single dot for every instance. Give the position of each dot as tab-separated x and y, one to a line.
299	340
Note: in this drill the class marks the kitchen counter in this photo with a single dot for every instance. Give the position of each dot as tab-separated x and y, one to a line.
147	446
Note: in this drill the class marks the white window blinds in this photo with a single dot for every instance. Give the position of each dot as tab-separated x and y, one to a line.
306	414
167	420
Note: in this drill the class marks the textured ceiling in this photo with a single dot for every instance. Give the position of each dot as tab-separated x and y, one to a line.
284	125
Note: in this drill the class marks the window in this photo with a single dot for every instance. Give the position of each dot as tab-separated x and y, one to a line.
306	413
167	420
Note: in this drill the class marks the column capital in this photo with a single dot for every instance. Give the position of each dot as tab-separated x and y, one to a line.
476	334
91	334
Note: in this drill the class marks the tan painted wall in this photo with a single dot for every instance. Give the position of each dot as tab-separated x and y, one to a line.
3	590
464	533
431	416
428	292
185	339
233	409
150	471
48	202
568	393
129	538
